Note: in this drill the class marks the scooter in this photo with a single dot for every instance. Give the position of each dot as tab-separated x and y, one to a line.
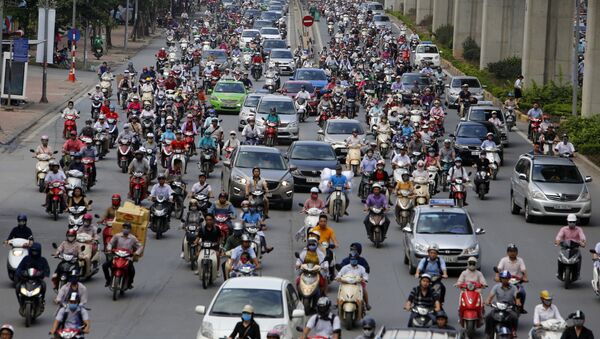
125	154
179	194
41	169
121	259
69	333
137	188
76	216
190	238
470	310
510	117
207	264
88	174
18	251
89	249
70	125
308	286
550	329
421	191
351	108
364	189
569	262
301	108
113	131
376	221
96	105
106	86
256	71
350	300
337	203
491	153
596	271
270	135
206	163
56	192
99	140
151	158
404	208
501	315
159	221
422	316
458	189
383	139
482	184
222	223
433	180
68	267
97	47
179	154
31	305
354	158
446	165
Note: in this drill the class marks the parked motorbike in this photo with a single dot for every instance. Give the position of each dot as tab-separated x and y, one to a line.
350	300
18	251
159	221
569	262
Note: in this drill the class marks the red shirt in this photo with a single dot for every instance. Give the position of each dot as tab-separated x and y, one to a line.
135	106
257	59
170	84
105	109
161	54
112	115
73	145
178	144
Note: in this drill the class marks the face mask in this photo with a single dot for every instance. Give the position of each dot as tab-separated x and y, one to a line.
245	209
70	239
246	317
472	267
126	231
312	247
368	332
572	225
353	262
72	307
546	302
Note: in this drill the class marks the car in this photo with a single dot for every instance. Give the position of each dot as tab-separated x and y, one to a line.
336	131
248	35
316	76
482	111
227	3
275	171
276	8
292	87
252	13
408	83
446	225
270	44
258	24
286	109
283	60
275	301
382	21
248	109
219	56
543	185
468	137
453	88
228	95
427	53
271	16
310	158
375	7
267	33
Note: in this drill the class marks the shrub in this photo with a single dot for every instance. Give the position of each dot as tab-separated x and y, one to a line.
427	21
582	131
589	149
508	68
444	35
551	93
471	50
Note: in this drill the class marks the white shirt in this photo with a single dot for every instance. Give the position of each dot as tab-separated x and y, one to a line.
516	267
561	148
323	327
518	83
401	160
541	314
357	270
203	189
468	275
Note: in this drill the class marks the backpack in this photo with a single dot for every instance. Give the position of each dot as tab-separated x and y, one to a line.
332	318
424	265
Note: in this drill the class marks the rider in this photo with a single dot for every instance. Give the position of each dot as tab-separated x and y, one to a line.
139	165
404	184
565	147
577	331
33	260
353	268
571	232
495	120
434	265
73	315
256	183
516	267
302	94
422	295
312	255
323	324
236	255
208	142
201	187
447	152
339	180
313	201
401	159
73	286
233	141
368	163
377	200
247	328
163	189
441	321
488	142
504	292
542	312
123	240
55	174
21	231
368	328
471	274
250	131
458	171
420	172
223	206
482	163
380	175
432	159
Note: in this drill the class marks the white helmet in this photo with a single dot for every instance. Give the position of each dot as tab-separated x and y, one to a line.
420	163
314	190
376	186
571	218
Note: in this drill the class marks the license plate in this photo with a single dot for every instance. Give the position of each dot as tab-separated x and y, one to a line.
269	195
474	152
449	259
562	207
344	150
313	180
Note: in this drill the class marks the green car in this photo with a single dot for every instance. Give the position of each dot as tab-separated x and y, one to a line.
228	96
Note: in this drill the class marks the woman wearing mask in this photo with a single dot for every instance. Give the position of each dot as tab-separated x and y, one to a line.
247	328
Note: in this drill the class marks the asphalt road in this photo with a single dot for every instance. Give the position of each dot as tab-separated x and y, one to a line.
162	303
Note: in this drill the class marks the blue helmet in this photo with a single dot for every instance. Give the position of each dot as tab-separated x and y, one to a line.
22	217
458	159
505	275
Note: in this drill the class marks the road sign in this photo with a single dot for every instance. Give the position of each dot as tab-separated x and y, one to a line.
73	34
21	50
308	21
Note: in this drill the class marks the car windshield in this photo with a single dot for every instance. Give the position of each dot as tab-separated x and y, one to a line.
426	49
262	23
269	15
263	160
250	34
484	114
281	106
564	174
251	101
472	83
274	43
294	87
229	87
376	7
266	303
472	131
381	18
251	13
281	55
215	54
306	74
269	31
313	152
409	79
343	128
443	223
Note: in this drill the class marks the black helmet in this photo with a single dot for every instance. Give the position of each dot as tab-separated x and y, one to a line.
323	306
369	322
22	217
441	314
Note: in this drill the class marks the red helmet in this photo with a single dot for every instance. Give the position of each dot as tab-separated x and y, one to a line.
87	216
72	232
116	199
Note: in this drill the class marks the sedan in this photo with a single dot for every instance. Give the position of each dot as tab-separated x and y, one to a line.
228	95
270	33
274	169
288	126
248	109
316	76
382	21
310	158
454	87
468	138
482	111
218	55
451	228
336	131
258	24
271	44
282	60
409	80
275	301
291	88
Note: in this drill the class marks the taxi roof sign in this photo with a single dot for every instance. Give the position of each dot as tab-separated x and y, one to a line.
442	202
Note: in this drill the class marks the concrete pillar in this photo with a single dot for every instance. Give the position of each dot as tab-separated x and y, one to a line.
443	13
501	31
547	41
467	23
590	102
424	9
409	5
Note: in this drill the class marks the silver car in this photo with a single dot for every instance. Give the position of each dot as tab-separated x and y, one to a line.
283	60
382	21
451	228
336	131
482	111
288	127
274	169
544	185
453	88
248	109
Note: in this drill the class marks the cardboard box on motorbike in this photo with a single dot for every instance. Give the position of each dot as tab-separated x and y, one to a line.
140	231
132	213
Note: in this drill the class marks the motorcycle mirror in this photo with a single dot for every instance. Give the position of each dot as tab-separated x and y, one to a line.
469	174
480	231
593	251
320	132
300	204
96	216
227	163
496	269
451	135
297	255
31	150
54	245
447	85
299	329
90	202
407	229
55	152
522	176
98	230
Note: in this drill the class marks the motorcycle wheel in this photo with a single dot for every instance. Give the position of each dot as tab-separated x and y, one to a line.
349	320
481	192
116	284
444	183
89	185
567	277
460	203
377	237
307	305
336	211
159	229
55	210
123	168
206	167
365	192
205	278
355	169
494	174
41	185
179	208
28	314
137	197
193	261
470	328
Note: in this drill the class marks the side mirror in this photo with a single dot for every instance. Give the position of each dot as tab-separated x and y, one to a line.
285	155
291	78
451	135
55	152
469	174
31	150
54	245
301	204
96	216
298	314
496	269
522	176
297	255
463	119
98	230
200	309
407	229
593	251
252	110
82	248
321	132
483	86
440	52
299	329
227	163
209	91
447	85
480	231
293	168
90	202
588	178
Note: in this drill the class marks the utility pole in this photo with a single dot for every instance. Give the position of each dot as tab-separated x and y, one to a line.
576	37
126	24
1	36
44	99
135	21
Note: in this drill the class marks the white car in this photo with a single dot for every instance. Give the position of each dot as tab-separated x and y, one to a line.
275	301
382	21
248	109
270	33
248	35
427	52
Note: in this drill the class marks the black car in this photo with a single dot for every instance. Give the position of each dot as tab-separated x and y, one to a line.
468	138
309	158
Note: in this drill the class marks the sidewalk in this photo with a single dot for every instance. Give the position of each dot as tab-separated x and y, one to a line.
59	91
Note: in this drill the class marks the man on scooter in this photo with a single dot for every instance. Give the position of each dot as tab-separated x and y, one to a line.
353	268
434	266
89	151
33	260
542	312
338	180
516	267
123	240
422	295
456	172
236	255
577	330
72	316
571	232
55	174
21	231
324	324
256	183
378	200
73	286
503	292
482	163
311	255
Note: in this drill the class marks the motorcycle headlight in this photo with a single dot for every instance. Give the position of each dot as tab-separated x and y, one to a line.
24	291
471	250
36	291
17	252
585	195
207	330
420	248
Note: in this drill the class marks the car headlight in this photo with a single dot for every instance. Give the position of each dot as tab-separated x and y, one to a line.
271	64
293	124
420	248
215	98
239	105
207	330
285	183
471	250
537	194
437	57
585	195
240	180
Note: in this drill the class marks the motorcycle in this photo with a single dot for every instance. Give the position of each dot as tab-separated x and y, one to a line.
383	140
68	267
550	329
137	188
433	180
421	191
256	71
207	264
491	153
18	251
151	158
178	154
351	108
69	333
350	300
270	134
330	28
191	146
243	270
308	286
354	158
41	169
113	131
76	216
323	117
534	131
159	220
121	259
510	117
251	230
89	251
501	315
337	203
88	174
222	223
99	140
376	221
206	164
301	107
31	304
569	262
125	154
179	194
458	190
404	208
56	192
70	125
97	44
106	85
96	105
270	84
366	182
422	316
470	310
446	165
482	183
147	125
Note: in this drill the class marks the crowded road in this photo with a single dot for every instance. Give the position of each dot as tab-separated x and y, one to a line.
162	303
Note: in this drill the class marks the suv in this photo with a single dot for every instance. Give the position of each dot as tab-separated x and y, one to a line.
427	52
543	185
288	127
453	88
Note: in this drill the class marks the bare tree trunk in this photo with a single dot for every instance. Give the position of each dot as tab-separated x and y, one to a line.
108	28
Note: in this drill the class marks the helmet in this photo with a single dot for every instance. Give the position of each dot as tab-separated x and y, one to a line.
571	218
237	226
458	159
577	315
87	216
381	162
376	186
431	150
150	135
425	276
489	134
22	217
53	163
545	295
314	190
248	309
323	305
512	247
420	163
245	237
369	322
127	225
7	327
433	247
116	197
447	141
44	137
472	260
505	275
441	314
72	232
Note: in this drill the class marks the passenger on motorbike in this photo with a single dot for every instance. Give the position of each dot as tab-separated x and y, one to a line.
237	252
33	260
256	183
577	330
516	267
432	159
503	292
441	321
338	180
123	240
422	295
353	268
368	328
420	172
73	315
434	265
127	134
324	324
378	200
542	312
